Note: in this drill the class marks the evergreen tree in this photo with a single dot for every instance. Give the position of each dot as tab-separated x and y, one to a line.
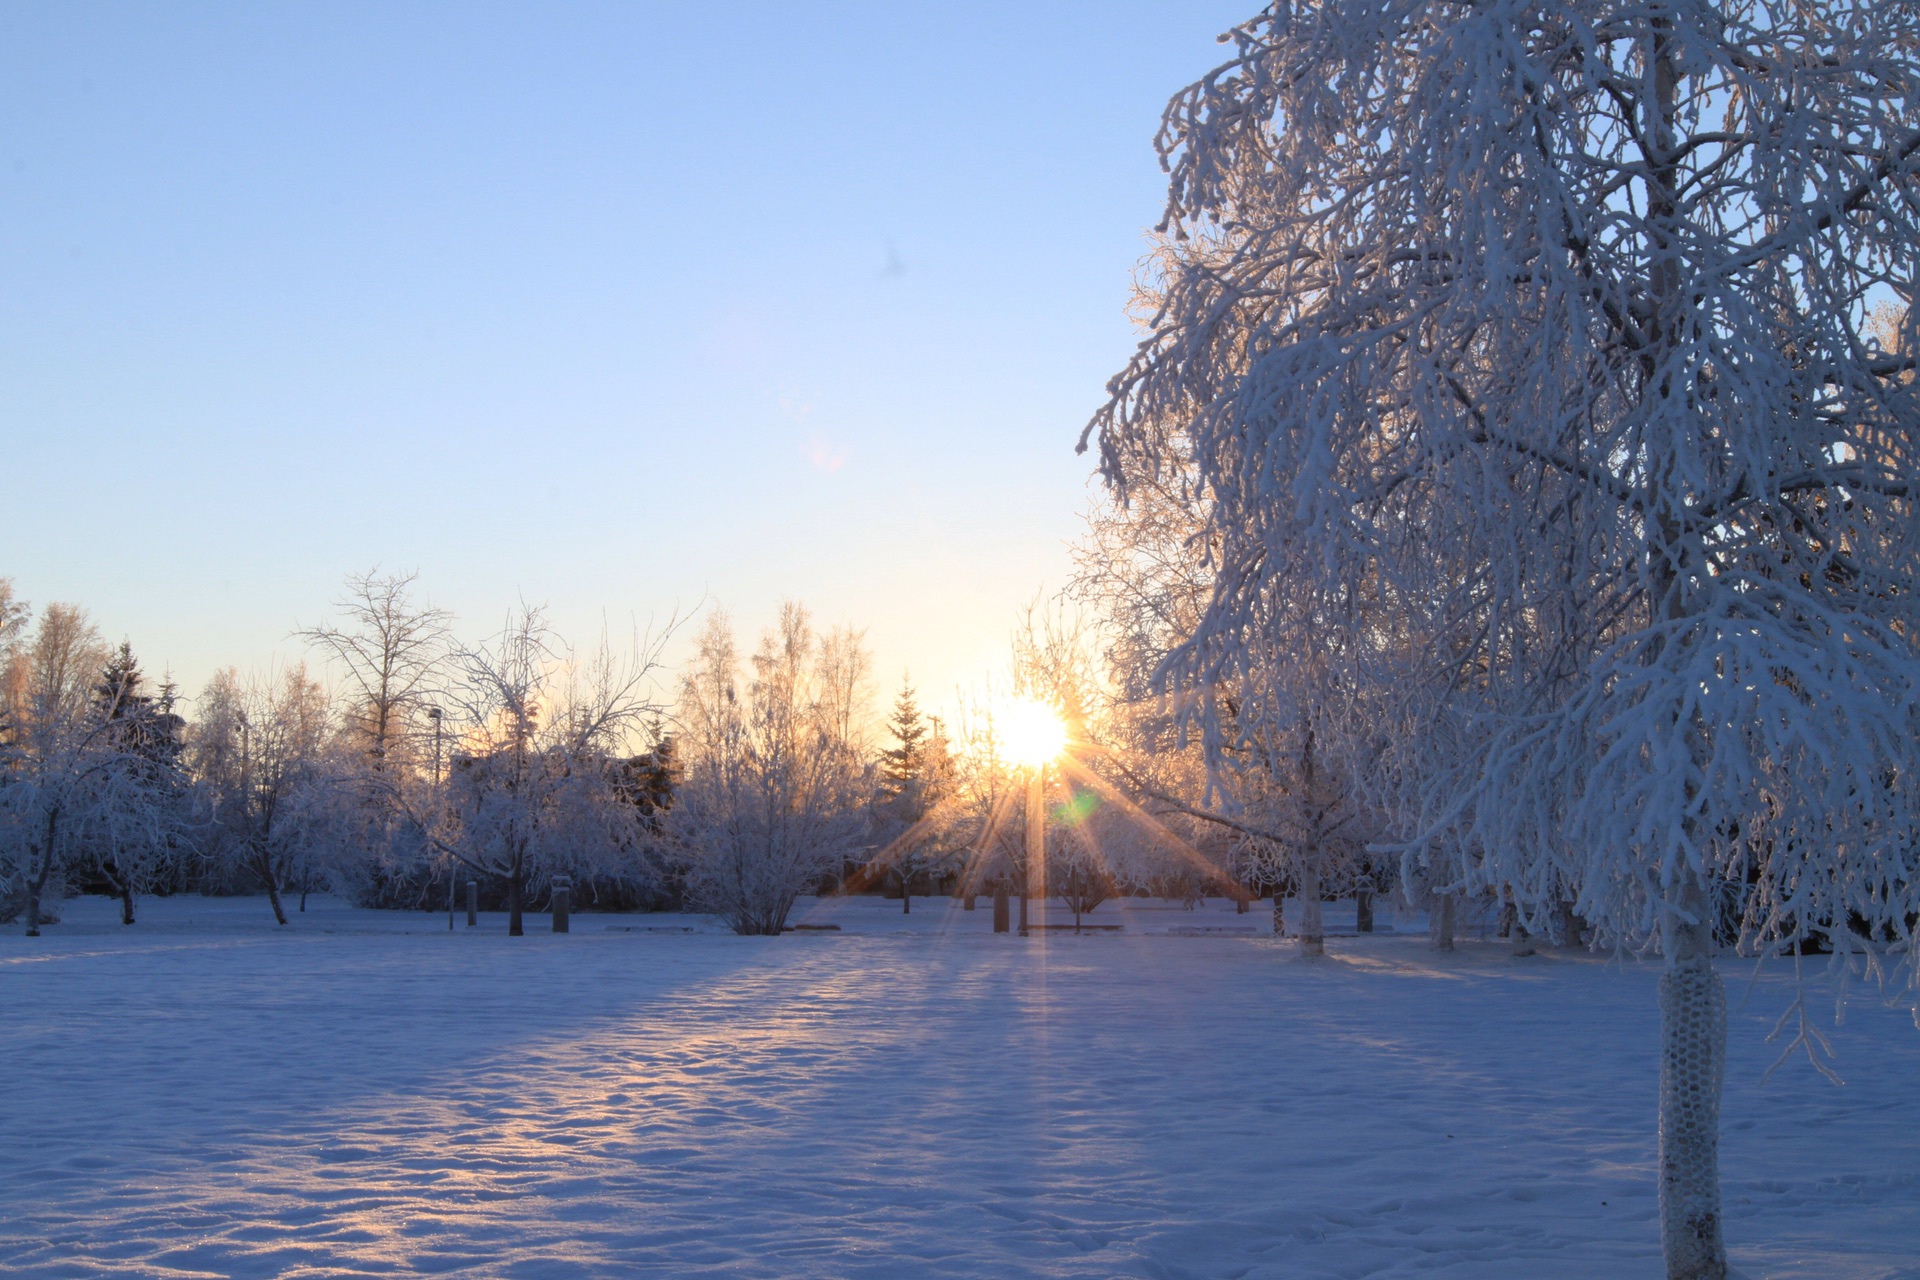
902	764
914	780
145	735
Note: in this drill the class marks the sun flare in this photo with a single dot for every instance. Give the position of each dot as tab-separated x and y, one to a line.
1030	732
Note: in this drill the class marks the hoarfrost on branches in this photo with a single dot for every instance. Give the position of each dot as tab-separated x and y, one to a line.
1523	359
262	749
771	802
539	782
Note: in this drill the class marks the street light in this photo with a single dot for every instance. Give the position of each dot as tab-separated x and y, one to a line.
433	714
453	868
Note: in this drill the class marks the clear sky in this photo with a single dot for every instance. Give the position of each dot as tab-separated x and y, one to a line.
608	307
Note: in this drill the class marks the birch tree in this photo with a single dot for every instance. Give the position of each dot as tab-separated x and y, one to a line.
1269	771
14	616
58	753
389	653
260	748
389	650
1548	324
775	765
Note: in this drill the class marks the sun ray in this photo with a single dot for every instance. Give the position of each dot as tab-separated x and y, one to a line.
985	847
862	879
1153	825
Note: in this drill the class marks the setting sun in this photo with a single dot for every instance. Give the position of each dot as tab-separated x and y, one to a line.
1030	731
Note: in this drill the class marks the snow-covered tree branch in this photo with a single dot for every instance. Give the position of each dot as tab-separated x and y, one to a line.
1527	349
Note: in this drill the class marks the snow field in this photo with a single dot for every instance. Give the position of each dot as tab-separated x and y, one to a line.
362	1094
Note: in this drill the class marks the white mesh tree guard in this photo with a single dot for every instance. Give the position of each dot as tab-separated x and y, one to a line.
1693	1050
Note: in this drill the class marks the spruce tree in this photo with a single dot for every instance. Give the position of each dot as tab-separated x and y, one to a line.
912	777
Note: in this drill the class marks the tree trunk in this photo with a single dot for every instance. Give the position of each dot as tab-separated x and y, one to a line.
1443	923
1693	1004
1363	910
1279	913
126	901
273	896
1240	905
1036	847
515	928
303	897
1693	1054
1313	936
1519	937
38	885
33	905
1571	925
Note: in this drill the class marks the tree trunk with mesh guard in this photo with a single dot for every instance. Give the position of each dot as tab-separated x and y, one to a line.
1693	1054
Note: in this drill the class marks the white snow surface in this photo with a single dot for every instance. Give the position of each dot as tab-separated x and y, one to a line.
362	1094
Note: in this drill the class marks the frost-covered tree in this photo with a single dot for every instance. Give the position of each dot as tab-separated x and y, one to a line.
389	654
389	650
143	733
57	772
540	783
1546	325
1281	811
90	783
260	748
775	768
14	616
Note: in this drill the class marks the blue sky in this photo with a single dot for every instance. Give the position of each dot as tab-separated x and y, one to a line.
608	307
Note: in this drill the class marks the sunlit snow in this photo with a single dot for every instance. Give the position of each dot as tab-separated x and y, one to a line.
361	1093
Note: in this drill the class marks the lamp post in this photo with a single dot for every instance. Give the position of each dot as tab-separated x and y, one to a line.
453	868
1036	849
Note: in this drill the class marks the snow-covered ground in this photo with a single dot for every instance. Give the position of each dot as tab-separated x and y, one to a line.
363	1094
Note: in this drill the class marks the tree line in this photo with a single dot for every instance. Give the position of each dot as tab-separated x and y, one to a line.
405	761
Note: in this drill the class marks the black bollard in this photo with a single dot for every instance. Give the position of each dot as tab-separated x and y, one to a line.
1002	921
562	904
473	903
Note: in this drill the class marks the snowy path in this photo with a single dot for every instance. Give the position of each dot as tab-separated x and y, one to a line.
198	1096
